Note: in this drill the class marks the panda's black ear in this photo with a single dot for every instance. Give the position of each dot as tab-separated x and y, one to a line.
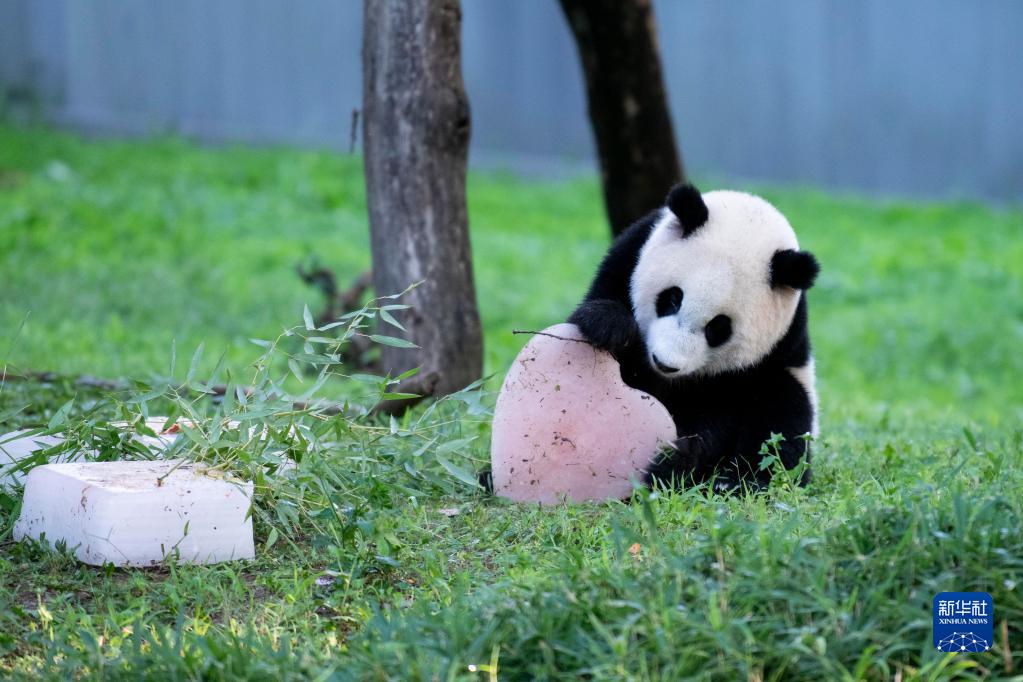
686	202
791	268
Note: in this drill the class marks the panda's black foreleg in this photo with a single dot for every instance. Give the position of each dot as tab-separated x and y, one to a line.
790	452
485	478
778	428
607	324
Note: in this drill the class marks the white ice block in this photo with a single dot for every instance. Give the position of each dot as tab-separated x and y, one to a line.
138	513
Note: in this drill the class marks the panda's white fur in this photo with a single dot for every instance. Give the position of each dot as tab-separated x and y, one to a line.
807	378
722	269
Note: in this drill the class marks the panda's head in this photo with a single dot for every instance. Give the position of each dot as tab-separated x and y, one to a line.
717	282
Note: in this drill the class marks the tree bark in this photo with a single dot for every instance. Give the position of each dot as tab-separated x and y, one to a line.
639	160
416	141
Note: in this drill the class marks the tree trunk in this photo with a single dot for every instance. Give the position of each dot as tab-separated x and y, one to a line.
416	141
639	162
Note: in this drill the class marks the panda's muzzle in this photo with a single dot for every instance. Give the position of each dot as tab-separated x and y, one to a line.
661	366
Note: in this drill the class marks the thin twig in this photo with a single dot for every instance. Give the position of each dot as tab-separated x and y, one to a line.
553	336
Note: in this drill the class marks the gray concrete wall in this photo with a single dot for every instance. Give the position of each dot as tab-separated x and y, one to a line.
920	97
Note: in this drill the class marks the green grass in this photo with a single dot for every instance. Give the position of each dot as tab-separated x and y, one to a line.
112	253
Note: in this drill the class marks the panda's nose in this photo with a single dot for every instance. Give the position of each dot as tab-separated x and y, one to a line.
663	367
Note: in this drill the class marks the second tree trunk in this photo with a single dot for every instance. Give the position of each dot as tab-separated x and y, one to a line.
639	160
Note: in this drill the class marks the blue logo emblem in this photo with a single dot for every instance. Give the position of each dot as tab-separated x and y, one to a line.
964	622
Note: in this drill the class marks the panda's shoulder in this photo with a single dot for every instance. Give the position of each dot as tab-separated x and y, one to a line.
624	252
639	232
615	271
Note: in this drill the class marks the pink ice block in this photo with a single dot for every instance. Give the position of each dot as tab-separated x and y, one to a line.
566	426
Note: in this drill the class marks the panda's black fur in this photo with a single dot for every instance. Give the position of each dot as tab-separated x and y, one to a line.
722	419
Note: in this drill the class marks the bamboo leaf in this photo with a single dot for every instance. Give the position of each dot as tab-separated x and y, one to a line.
389	319
194	367
60	416
392	341
453	445
405	375
458	472
295	369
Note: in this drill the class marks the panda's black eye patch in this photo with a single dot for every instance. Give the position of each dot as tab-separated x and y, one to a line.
718	330
669	301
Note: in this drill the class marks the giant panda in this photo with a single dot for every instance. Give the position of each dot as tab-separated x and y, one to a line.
703	304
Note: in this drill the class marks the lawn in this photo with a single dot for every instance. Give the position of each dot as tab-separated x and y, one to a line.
118	259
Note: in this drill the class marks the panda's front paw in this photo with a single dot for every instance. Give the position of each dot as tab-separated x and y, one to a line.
607	325
620	338
692	455
684	464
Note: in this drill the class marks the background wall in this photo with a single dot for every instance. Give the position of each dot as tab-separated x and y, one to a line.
920	97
